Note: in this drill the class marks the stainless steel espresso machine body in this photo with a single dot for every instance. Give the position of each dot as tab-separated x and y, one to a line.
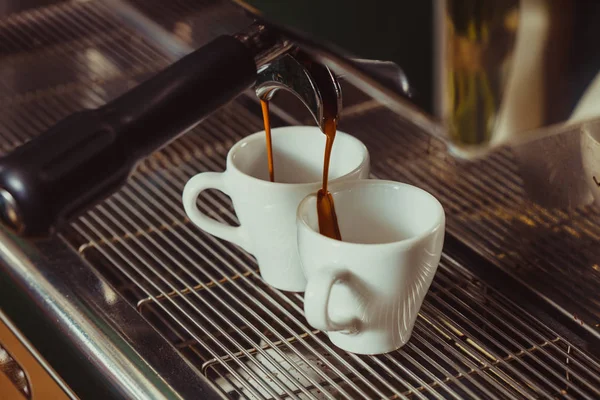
108	107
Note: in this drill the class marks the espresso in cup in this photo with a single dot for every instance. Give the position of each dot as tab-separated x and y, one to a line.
267	210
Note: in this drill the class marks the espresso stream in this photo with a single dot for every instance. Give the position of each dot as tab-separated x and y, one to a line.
328	224
265	111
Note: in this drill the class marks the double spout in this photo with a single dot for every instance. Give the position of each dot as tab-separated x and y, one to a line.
312	83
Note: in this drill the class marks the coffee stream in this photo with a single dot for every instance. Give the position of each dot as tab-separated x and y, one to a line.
328	224
265	111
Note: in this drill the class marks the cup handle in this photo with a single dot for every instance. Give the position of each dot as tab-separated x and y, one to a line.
191	191
316	301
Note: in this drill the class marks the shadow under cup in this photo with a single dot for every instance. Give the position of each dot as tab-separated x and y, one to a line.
298	154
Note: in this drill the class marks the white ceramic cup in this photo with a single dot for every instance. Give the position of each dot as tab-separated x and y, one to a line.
366	290
267	210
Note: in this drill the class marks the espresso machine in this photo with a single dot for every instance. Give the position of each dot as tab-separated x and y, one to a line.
107	107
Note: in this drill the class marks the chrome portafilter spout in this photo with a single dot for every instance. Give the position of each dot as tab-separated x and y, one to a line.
313	83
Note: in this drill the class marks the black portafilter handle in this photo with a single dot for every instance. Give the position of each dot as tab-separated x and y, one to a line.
89	155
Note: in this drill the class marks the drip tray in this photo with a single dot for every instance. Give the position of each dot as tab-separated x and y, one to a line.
206	297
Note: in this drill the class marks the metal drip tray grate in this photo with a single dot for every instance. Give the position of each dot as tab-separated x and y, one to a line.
205	295
207	298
